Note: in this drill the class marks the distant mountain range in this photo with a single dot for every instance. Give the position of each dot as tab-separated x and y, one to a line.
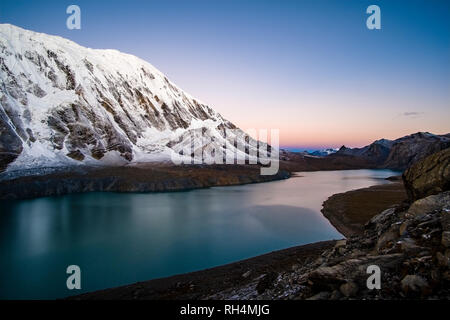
396	154
400	153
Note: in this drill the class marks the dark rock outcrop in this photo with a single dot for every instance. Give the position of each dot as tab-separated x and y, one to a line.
430	176
10	144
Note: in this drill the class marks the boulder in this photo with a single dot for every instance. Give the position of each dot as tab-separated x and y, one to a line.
443	260
266	282
446	239
349	289
409	246
387	237
429	204
428	176
414	284
323	295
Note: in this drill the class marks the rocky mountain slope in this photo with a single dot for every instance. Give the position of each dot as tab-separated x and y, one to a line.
400	153
63	104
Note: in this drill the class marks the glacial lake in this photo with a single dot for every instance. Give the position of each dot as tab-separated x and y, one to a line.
119	239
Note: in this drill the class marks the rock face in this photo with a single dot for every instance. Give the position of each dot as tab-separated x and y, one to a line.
430	176
63	104
10	144
398	154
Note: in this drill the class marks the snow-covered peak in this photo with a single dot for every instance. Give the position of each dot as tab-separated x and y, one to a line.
64	103
324	152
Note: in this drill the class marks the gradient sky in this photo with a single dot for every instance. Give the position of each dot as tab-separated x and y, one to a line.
309	68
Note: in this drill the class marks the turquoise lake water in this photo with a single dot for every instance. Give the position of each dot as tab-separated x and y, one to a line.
119	239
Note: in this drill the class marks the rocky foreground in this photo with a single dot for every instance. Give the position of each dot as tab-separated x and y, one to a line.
409	242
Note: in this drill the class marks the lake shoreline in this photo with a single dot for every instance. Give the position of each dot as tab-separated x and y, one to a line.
204	284
148	177
200	284
156	176
349	211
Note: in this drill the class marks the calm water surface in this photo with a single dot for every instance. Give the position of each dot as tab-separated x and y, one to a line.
119	239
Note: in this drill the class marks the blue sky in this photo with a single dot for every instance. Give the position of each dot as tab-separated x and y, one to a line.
309	68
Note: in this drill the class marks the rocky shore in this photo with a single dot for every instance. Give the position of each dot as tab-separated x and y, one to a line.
409	241
206	283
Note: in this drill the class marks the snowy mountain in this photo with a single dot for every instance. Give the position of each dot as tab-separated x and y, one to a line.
323	152
63	104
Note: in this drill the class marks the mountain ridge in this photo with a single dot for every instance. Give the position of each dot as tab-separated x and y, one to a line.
64	104
400	153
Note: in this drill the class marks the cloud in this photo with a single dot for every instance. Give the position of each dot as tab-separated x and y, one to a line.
412	114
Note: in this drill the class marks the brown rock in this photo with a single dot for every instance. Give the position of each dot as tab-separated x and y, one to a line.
266	282
77	155
335	295
414	284
428	176
404	227
443	261
429	204
445	218
349	289
387	237
409	246
340	243
324	295
446	239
